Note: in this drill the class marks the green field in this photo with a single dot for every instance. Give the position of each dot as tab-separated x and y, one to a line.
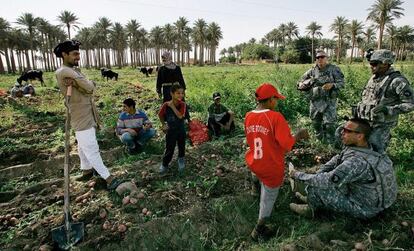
201	210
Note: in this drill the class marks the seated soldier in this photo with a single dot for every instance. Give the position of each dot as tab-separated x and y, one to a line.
359	182
133	127
219	117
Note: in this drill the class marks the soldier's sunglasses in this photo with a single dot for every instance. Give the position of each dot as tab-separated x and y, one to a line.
374	63
320	57
346	130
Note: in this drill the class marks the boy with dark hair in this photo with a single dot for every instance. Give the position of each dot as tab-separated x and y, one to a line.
219	117
133	128
172	115
269	138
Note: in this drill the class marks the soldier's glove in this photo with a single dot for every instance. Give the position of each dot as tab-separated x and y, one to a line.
380	109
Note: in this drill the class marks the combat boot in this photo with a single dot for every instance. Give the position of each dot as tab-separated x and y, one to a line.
301	197
301	209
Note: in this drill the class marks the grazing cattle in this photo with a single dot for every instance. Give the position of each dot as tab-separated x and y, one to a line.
109	74
31	75
146	70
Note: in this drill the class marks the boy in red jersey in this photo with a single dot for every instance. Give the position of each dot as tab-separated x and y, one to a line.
269	138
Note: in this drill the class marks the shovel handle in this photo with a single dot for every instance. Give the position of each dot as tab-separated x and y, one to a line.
69	91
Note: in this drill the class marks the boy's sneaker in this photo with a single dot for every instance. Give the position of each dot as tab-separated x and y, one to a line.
163	169
263	232
181	164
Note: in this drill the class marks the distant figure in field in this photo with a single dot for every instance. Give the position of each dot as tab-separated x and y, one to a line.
220	119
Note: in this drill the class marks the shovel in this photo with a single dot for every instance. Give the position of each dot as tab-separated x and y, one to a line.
67	235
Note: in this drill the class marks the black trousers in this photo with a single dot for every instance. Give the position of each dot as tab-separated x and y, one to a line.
172	138
216	128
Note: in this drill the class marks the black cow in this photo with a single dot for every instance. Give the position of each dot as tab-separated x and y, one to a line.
109	74
31	75
146	70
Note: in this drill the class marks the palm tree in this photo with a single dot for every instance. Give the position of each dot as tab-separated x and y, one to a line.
214	34
181	26
405	36
4	34
30	22
118	40
283	31
292	30
156	39
314	29
339	27
392	32
101	32
355	29
132	29
68	19
169	36
383	12
199	38
43	26
85	36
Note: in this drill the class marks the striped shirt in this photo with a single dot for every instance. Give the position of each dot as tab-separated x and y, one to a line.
134	121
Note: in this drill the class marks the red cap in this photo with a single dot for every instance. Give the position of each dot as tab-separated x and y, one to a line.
267	90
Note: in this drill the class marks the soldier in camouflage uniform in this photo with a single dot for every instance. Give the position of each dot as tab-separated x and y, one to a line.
359	182
322	84
387	94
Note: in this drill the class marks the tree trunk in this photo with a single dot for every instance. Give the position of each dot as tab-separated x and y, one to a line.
313	50
68	26
352	49
195	55
380	36
26	52
13	61
6	56
1	66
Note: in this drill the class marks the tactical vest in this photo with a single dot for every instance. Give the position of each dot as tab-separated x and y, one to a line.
374	94
319	79
386	183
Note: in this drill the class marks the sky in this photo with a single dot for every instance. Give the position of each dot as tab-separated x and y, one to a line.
239	20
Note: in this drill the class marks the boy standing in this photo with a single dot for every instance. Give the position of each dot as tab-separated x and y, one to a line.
172	115
269	138
219	117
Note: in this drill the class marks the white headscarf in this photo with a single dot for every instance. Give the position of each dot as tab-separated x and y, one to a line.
167	59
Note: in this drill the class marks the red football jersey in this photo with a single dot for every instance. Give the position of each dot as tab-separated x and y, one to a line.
269	138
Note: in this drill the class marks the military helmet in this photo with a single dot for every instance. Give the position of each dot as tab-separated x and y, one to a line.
384	56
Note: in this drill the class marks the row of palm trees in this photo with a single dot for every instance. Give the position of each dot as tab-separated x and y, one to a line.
353	32
105	43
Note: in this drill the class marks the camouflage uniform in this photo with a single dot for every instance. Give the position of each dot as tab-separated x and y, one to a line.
323	103
395	95
358	182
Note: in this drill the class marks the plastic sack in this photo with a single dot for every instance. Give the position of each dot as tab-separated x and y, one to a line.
198	132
